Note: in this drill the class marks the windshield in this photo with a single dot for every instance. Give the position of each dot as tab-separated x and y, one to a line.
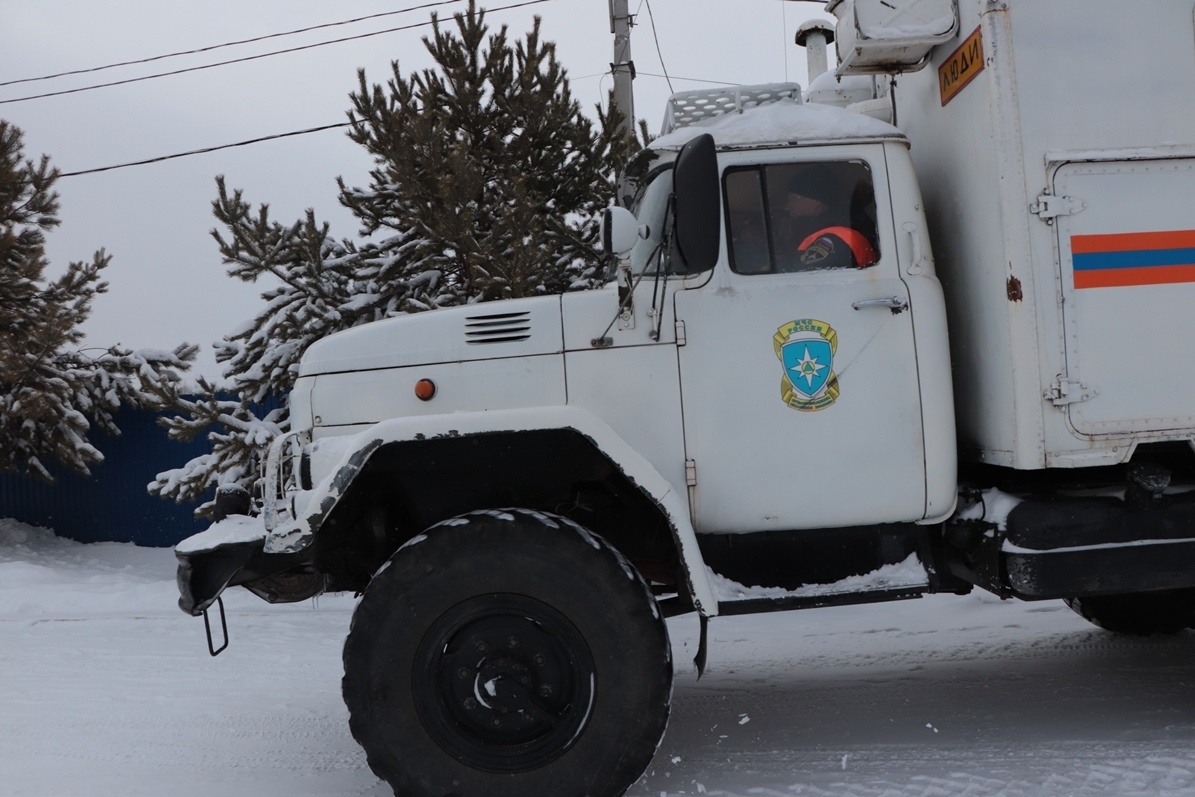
650	207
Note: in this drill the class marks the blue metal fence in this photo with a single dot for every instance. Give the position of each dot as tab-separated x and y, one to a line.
111	505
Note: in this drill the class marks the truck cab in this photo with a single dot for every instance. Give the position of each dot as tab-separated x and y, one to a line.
814	386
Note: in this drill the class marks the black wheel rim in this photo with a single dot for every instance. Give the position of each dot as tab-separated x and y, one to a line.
504	683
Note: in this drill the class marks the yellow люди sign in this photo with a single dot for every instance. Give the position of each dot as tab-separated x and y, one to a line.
961	67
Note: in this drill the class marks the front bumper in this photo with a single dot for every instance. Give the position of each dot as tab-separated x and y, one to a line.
228	554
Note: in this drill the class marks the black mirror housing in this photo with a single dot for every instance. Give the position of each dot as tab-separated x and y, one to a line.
698	205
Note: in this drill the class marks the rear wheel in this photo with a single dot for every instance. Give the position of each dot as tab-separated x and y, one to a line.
508	653
1139	614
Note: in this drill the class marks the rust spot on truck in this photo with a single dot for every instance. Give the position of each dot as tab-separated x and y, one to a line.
1015	294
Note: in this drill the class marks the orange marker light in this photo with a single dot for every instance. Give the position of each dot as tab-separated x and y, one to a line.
425	389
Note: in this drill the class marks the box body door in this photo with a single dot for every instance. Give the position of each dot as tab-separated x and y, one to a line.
1127	274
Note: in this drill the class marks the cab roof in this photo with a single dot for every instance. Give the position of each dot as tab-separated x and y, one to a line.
781	123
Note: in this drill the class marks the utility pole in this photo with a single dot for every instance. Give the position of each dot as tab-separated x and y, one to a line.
623	68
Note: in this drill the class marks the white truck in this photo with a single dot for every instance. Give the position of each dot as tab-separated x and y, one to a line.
994	387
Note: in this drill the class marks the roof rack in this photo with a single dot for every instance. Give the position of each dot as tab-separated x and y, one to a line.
686	108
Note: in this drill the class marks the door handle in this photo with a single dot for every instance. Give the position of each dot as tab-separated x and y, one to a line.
897	304
914	268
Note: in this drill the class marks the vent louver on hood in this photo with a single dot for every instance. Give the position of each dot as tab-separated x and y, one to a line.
498	328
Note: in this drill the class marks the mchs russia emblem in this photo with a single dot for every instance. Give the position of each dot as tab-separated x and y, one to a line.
806	349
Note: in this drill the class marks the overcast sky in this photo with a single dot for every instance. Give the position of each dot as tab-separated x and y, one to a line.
167	282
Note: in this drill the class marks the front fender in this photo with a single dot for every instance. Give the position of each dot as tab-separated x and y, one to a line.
298	532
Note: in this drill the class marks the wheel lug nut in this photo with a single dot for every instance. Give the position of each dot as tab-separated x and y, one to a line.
482	647
539	659
470	703
513	642
463	672
545	690
496	721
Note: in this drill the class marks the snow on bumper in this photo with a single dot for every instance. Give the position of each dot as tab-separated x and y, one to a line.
229	553
232	530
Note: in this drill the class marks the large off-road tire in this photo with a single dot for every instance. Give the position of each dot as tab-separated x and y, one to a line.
1139	614
508	653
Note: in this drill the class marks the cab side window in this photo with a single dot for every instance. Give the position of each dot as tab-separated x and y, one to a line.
750	251
801	217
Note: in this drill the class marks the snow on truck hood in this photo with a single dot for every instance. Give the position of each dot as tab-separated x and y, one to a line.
512	328
781	122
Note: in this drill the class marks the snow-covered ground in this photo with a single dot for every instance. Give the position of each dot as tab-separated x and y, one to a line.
107	689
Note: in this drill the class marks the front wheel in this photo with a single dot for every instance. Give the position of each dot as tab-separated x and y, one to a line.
1140	613
508	653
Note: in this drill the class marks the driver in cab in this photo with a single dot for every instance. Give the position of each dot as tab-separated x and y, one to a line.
819	234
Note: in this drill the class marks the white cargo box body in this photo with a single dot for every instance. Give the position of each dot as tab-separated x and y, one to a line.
1055	145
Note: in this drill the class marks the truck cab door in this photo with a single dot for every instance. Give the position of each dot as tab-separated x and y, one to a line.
799	379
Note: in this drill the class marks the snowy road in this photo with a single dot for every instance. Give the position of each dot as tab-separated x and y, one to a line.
107	689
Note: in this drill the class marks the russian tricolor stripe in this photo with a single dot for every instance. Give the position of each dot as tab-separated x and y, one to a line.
1133	258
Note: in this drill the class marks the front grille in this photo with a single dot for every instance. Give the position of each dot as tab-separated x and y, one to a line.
498	328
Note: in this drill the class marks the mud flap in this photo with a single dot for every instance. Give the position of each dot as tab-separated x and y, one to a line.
702	647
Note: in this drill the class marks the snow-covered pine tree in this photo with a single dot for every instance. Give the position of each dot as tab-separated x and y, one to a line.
488	183
490	160
312	277
51	393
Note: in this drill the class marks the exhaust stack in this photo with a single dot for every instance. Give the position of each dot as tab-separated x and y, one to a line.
814	35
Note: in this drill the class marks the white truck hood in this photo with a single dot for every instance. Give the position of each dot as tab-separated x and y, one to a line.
514	328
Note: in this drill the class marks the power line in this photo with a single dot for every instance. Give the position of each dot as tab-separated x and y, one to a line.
206	150
653	74
691	80
655	36
306	131
211	47
251	57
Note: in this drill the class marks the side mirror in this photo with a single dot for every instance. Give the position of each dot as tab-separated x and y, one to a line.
620	231
698	204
